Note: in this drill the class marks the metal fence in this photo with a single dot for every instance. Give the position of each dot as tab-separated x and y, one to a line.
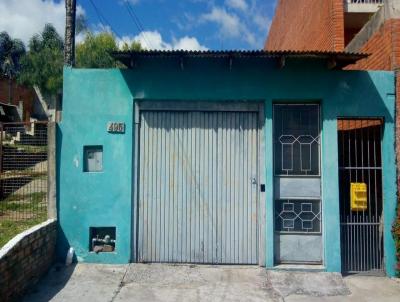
23	175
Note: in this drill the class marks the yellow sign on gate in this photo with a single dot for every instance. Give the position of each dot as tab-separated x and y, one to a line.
358	196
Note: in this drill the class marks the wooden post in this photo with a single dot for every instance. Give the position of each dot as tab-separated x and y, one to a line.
69	47
51	171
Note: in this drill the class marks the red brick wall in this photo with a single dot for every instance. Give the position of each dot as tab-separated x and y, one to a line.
384	50
307	25
18	93
337	24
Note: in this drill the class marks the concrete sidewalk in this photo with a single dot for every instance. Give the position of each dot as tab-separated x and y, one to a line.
162	282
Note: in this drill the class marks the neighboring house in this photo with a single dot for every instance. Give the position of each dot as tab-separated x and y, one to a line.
229	157
364	26
328	25
20	103
369	26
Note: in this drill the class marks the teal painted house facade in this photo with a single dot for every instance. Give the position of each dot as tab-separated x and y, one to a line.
111	196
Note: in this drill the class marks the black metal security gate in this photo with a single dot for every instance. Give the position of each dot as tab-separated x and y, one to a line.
360	186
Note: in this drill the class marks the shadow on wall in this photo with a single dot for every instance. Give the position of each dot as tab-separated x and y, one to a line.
355	94
62	244
343	93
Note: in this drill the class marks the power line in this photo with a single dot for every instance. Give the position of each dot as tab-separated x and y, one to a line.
103	19
137	22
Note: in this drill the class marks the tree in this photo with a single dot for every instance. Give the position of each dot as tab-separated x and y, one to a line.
134	46
94	51
11	52
43	64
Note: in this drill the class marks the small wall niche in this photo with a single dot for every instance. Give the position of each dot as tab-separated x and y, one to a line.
102	239
92	158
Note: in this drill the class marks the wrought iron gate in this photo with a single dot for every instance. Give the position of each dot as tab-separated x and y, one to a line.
360	172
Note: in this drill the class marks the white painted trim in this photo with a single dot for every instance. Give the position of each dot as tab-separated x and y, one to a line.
14	241
362	7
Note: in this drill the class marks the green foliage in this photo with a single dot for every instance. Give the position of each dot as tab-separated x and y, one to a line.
11	52
134	46
43	64
9	228
94	51
24	202
20	212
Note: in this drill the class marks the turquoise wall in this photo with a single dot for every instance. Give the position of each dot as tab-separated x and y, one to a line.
91	99
94	97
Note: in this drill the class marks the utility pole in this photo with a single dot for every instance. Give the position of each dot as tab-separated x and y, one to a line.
69	45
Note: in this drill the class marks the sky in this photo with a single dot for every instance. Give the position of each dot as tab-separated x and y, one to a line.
156	24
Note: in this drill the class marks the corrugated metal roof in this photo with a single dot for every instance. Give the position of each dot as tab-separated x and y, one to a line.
341	58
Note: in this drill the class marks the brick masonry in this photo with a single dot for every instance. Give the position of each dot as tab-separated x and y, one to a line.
303	25
319	25
384	49
307	25
25	259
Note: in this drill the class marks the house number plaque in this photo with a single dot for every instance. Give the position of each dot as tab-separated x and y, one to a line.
116	127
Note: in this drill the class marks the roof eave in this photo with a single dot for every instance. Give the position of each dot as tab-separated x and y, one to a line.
340	59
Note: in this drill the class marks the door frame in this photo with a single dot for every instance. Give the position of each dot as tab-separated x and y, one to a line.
300	102
196	105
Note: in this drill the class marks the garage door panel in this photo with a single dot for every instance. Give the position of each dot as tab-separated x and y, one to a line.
197	202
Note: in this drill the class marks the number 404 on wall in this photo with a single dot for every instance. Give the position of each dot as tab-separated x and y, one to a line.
116	127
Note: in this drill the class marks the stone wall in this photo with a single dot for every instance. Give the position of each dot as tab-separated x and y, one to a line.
25	258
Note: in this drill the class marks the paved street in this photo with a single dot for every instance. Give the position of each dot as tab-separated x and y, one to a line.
161	282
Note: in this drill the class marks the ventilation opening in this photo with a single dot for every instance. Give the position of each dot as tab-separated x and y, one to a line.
102	239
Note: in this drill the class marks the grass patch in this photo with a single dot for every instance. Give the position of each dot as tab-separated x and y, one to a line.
29	148
19	202
9	229
20	212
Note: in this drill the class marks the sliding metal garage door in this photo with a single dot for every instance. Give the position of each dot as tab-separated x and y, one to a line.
198	187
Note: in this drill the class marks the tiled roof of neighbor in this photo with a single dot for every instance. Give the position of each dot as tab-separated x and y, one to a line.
341	58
